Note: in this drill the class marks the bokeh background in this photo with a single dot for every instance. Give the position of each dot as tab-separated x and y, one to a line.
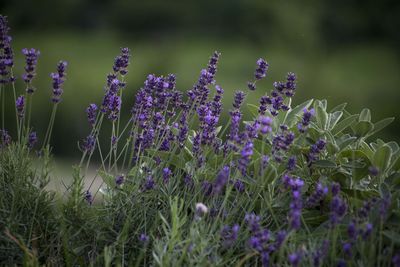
343	51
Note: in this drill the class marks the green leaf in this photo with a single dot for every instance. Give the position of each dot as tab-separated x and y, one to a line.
339	107
382	157
322	117
334	118
325	164
346	142
393	236
108	179
381	124
362	128
342	125
253	109
365	115
291	117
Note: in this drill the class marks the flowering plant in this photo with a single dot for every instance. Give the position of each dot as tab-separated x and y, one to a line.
296	185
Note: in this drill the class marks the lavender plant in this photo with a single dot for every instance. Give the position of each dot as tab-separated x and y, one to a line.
297	185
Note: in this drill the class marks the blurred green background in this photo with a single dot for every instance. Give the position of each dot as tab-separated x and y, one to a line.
343	51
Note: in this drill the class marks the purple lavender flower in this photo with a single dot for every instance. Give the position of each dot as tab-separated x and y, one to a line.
352	231
31	57
246	154
229	235
315	150
280	238
212	64
119	180
58	81
91	111
317	196
373	171
32	139
239	97
89	144
305	122
347	249
262	68
291	165
88	197
167	173
143	238
6	53
239	186
122	61
341	263
221	180
295	258
253	222
20	105
320	254
5	138
281	142
396	260
338	206
266	123
367	231
149	183
114	107
207	188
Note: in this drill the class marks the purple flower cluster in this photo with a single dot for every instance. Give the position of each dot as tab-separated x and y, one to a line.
281	142
266	123
31	57
319	255
295	184
121	62
244	160
119	180
295	258
20	106
89	144
229	235
32	139
221	180
261	239
338	206
91	112
306	119
58	80
317	196
167	173
5	138
261	72
6	53
88	197
315	150
144	239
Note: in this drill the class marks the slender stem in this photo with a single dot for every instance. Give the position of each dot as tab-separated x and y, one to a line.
2	96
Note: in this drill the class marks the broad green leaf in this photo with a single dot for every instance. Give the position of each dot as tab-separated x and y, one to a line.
382	157
339	107
362	128
343	124
365	115
325	164
346	142
322	117
334	118
381	124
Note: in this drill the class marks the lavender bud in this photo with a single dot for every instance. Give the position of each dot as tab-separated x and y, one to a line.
20	105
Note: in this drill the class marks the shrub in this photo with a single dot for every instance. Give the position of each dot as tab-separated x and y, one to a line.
295	185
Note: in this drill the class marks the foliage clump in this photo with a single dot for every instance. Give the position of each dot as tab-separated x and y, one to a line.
299	185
